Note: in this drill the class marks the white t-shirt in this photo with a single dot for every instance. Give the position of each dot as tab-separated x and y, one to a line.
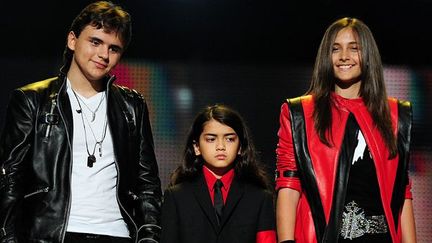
94	208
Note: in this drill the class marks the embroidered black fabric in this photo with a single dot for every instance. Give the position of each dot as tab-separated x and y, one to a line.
363	189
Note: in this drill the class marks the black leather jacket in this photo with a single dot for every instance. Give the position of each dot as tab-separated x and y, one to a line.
35	157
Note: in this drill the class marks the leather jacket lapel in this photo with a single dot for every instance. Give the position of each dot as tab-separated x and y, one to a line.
305	165
64	106
116	115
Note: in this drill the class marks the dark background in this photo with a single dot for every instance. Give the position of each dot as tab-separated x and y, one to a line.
251	31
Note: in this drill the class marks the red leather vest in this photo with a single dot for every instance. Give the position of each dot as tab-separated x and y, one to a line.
320	162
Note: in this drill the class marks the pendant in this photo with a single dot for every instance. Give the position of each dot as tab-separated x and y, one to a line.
100	150
91	159
93	116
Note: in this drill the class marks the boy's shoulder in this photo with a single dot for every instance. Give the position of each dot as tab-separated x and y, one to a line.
39	85
182	186
256	190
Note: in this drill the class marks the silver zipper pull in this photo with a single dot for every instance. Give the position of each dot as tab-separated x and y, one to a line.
53	105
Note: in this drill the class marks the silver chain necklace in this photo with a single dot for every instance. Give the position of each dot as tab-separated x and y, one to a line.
92	112
91	159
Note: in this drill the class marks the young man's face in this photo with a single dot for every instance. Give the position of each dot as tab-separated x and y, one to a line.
96	52
218	145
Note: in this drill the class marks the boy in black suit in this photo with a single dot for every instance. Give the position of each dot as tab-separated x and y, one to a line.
220	193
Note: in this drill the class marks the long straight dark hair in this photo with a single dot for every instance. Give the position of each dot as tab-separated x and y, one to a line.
247	167
372	88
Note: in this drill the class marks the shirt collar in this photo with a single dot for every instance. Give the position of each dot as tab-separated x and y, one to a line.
345	103
211	179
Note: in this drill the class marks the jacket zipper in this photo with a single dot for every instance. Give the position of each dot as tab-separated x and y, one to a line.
65	223
53	105
3	229
121	205
45	189
110	81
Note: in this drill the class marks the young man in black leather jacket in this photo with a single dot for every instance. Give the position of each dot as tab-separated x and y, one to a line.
76	153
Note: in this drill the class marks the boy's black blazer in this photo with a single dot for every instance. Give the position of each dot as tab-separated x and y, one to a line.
188	215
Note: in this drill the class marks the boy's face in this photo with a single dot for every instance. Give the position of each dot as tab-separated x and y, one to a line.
219	145
96	52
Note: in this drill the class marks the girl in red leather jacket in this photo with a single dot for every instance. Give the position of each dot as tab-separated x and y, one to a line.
343	150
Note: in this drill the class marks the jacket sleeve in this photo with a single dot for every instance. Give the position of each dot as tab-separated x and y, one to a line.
404	138
170	222
286	168
266	229
15	143
149	185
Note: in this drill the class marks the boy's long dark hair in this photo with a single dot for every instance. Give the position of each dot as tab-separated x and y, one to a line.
102	14
247	167
372	88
